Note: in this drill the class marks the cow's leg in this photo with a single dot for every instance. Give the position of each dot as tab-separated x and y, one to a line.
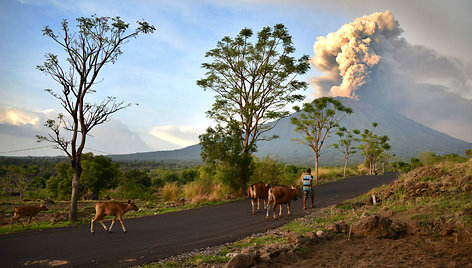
29	221
267	213
21	222
265	202
274	207
16	218
258	204
100	220
288	208
91	225
252	203
280	212
122	225
112	222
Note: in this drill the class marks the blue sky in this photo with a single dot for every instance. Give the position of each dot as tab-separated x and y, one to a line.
159	71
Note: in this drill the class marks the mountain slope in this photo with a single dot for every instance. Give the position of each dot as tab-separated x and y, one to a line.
407	138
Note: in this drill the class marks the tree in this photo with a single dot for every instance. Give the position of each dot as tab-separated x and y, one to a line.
96	42
99	173
468	153
18	179
222	152
315	121
134	184
374	148
346	143
253	82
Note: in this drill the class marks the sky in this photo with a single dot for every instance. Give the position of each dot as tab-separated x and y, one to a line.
420	67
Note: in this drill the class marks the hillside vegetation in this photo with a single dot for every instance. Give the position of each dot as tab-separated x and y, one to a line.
423	219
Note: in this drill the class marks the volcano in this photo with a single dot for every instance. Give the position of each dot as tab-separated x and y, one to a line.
407	139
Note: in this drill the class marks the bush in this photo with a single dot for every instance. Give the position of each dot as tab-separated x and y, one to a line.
170	192
135	184
206	188
268	170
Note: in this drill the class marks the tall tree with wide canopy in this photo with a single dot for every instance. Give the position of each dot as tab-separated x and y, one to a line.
315	121
253	82
96	42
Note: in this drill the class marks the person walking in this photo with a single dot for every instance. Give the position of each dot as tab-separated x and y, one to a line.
307	182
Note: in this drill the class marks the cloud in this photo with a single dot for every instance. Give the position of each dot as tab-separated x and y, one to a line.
178	135
18	130
368	60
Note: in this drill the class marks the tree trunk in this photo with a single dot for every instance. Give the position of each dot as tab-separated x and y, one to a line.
245	172
345	164
73	214
316	166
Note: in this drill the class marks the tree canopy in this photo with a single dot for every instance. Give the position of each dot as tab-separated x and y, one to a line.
254	81
316	120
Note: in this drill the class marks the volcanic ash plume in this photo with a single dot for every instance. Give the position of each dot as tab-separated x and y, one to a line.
369	61
348	55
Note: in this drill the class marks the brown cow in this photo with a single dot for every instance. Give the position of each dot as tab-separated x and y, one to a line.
26	211
258	191
279	195
114	209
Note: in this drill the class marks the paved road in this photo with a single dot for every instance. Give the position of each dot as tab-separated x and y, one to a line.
155	237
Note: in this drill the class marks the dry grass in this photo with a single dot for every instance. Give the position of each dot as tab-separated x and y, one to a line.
170	192
197	192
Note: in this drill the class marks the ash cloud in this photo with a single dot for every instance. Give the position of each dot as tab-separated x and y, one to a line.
368	60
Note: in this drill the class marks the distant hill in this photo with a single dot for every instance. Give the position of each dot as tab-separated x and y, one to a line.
407	138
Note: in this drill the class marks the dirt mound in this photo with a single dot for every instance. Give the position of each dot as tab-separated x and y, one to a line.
428	181
378	227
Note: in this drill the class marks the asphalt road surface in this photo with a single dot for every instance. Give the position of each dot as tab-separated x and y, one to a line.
156	237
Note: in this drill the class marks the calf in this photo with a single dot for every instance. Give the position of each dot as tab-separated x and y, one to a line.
114	209
258	191
279	195
26	211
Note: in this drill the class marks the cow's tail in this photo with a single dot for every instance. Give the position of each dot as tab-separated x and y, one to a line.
252	191
270	197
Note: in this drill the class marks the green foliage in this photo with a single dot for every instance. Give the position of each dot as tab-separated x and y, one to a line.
134	184
223	154
268	170
468	153
415	163
374	148
254	81
99	173
315	121
346	143
59	186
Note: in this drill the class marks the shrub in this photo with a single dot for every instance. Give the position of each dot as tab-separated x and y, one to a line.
268	170
170	192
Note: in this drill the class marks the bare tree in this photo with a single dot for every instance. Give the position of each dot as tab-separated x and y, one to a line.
96	42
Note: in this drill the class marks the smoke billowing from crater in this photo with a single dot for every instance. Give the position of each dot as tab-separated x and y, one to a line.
368	60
